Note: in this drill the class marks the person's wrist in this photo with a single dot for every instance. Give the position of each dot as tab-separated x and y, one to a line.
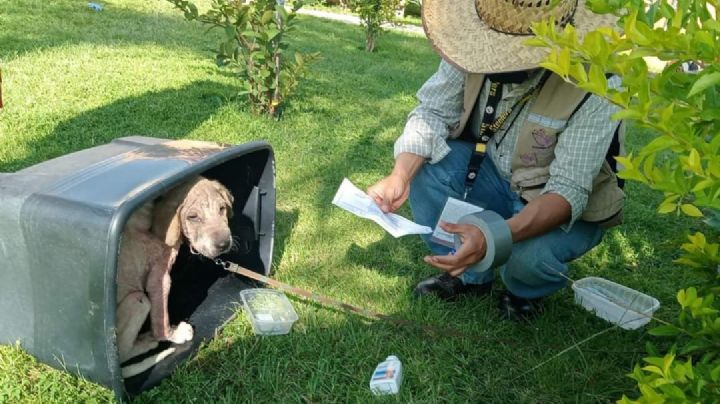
403	176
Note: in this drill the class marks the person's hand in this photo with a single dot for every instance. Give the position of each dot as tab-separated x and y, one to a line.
473	249
390	192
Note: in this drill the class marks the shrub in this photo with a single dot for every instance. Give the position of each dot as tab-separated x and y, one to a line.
254	46
413	8
682	161
373	14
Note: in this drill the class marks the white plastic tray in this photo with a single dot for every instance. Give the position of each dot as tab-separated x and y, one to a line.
615	303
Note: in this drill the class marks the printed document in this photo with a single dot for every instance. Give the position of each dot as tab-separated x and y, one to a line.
452	212
352	199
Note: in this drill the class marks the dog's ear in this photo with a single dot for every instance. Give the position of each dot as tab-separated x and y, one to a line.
226	197
166	222
174	234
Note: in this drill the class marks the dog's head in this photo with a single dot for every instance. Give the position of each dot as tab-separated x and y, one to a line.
200	215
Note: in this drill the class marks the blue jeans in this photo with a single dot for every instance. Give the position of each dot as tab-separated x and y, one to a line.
535	265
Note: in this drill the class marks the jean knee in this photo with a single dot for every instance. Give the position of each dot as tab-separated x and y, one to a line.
533	268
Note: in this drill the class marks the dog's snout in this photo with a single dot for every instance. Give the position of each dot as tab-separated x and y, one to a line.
223	245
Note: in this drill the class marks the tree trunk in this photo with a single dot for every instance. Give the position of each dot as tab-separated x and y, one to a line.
370	42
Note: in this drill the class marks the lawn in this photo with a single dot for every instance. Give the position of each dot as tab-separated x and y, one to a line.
74	78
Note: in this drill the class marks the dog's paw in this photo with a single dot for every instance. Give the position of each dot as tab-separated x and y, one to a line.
182	333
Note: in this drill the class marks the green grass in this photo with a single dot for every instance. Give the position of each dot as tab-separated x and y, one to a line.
74	78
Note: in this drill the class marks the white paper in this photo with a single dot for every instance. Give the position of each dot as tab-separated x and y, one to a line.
452	212
352	199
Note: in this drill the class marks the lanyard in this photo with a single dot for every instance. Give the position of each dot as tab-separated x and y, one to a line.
490	125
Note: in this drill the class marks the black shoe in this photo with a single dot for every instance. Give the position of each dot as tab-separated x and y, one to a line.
447	287
518	308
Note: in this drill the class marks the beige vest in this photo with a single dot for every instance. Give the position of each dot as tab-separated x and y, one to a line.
535	148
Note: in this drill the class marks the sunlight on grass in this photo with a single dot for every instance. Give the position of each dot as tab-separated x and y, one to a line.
74	78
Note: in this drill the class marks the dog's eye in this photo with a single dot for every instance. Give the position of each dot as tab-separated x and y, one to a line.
222	210
193	217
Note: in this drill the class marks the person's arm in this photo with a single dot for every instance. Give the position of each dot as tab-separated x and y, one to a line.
580	152
440	105
424	137
539	216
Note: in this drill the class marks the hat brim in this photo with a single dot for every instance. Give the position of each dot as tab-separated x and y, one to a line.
457	33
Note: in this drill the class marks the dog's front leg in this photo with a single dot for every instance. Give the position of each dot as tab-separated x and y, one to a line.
158	287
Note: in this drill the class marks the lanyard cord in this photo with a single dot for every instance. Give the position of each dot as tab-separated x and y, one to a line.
490	125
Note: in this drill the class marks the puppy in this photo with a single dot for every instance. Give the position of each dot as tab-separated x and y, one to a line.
196	212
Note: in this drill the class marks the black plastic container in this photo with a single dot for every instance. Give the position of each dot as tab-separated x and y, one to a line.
60	228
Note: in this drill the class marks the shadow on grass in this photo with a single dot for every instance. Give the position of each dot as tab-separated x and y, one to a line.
170	113
284	224
390	255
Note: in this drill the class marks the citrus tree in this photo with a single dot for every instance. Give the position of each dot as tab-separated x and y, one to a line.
373	14
682	161
254	45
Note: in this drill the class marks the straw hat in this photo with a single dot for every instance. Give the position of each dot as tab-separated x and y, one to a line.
487	36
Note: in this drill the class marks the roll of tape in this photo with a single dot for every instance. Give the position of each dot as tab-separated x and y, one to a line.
497	238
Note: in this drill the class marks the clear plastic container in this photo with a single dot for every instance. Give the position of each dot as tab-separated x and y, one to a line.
269	311
615	303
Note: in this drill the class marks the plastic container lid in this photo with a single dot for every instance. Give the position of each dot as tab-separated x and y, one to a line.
269	311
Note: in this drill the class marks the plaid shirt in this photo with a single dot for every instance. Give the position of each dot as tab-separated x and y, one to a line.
579	153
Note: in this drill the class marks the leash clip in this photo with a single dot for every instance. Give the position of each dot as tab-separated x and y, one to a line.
222	263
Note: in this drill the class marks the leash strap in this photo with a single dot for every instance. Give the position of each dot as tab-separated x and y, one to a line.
330	302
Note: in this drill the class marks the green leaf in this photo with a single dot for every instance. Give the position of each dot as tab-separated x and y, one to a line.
703	185
267	17
631	114
653	369
597	77
691	210
282	12
272	33
694	162
666	207
535	41
564	62
230	32
696	345
659	143
704	82
664	330
715	374
552	66
577	72
593	43
667	362
673	391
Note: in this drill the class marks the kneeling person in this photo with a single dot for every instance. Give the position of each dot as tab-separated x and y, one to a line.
493	129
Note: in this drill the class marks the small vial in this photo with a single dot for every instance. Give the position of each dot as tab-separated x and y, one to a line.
387	376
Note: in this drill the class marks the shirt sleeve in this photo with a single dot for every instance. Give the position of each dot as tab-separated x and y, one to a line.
580	152
440	107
